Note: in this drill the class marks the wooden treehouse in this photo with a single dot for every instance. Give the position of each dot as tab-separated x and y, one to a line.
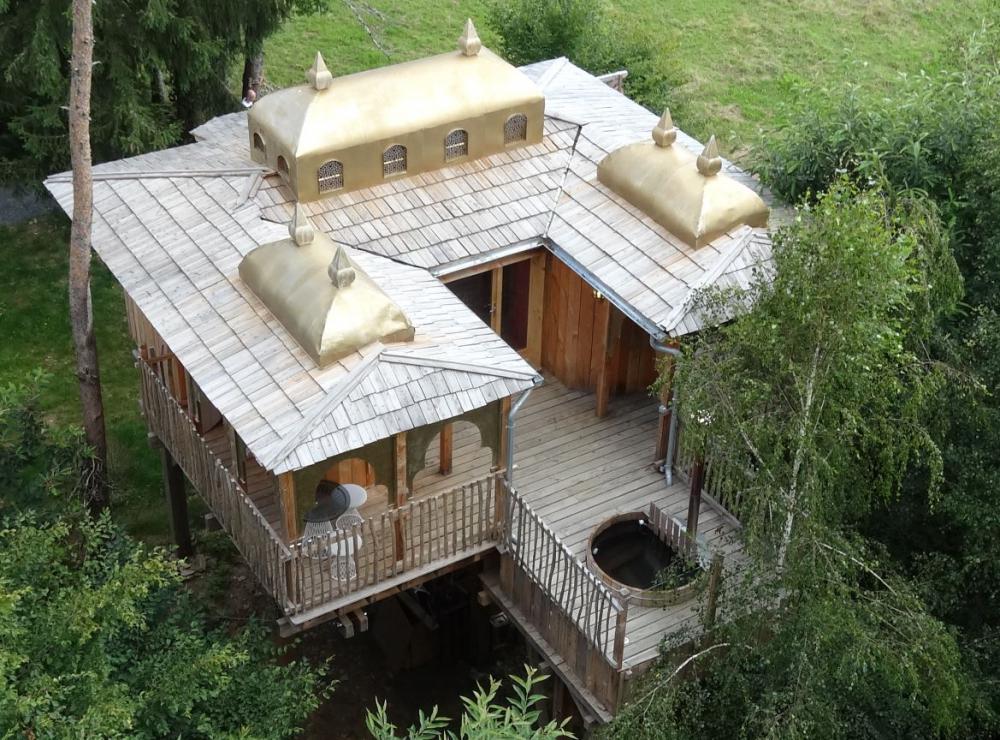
449	284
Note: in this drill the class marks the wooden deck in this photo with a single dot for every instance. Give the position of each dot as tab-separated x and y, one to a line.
576	470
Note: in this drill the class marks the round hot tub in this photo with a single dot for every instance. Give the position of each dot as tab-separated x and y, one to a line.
625	552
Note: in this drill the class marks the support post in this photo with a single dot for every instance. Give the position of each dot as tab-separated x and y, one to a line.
621	622
602	335
503	409
694	501
712	595
447	447
400	492
536	309
173	484
496	304
289	508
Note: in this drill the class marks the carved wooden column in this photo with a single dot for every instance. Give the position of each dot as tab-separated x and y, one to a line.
447	448
289	508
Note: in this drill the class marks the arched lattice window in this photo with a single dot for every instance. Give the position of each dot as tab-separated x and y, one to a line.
282	166
515	129
394	160
331	176
456	144
258	144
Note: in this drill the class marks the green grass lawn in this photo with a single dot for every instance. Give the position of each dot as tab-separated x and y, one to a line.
34	325
738	63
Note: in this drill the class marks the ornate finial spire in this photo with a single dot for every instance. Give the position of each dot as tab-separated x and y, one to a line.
664	134
299	227
709	161
318	75
469	43
340	271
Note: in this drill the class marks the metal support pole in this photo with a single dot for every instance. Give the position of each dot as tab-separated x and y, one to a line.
511	426
668	463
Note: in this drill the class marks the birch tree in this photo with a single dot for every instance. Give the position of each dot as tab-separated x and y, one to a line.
80	306
815	399
815	402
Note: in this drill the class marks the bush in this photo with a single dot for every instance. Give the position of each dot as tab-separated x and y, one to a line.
98	635
583	31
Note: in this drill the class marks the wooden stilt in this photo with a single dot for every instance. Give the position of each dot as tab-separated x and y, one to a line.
173	484
694	501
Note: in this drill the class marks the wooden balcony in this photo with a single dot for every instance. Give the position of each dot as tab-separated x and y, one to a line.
574	471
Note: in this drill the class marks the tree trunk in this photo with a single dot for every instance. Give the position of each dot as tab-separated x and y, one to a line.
791	498
80	306
253	74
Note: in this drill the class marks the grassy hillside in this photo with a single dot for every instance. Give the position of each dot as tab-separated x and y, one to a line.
737	63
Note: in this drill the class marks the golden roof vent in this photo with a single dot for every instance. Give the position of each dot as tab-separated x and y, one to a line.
335	135
318	75
469	43
320	295
687	195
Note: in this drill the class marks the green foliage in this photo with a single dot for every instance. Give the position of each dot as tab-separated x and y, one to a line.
484	717
586	33
161	67
819	400
817	397
848	653
98	636
936	133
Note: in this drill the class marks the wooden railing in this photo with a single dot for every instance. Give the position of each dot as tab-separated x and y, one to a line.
423	534
256	540
580	617
722	480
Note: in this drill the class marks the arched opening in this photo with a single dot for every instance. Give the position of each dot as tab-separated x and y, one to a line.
456	454
394	160
456	144
282	166
330	176
515	129
360	472
258	143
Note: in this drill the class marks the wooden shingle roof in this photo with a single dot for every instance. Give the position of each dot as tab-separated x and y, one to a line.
173	226
175	241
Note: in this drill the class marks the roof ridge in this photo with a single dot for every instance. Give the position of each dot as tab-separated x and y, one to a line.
469	367
709	277
160	174
343	389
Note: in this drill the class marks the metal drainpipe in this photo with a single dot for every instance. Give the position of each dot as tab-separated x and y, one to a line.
511	424
668	468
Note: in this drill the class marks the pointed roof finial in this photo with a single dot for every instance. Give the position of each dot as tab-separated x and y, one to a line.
299	227
340	270
469	43
709	161
318	75
664	134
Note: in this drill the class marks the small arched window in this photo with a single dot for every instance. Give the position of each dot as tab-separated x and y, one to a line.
282	166
258	144
394	160
331	176
515	129
456	144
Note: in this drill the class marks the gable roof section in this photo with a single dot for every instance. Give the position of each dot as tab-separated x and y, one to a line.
174	241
